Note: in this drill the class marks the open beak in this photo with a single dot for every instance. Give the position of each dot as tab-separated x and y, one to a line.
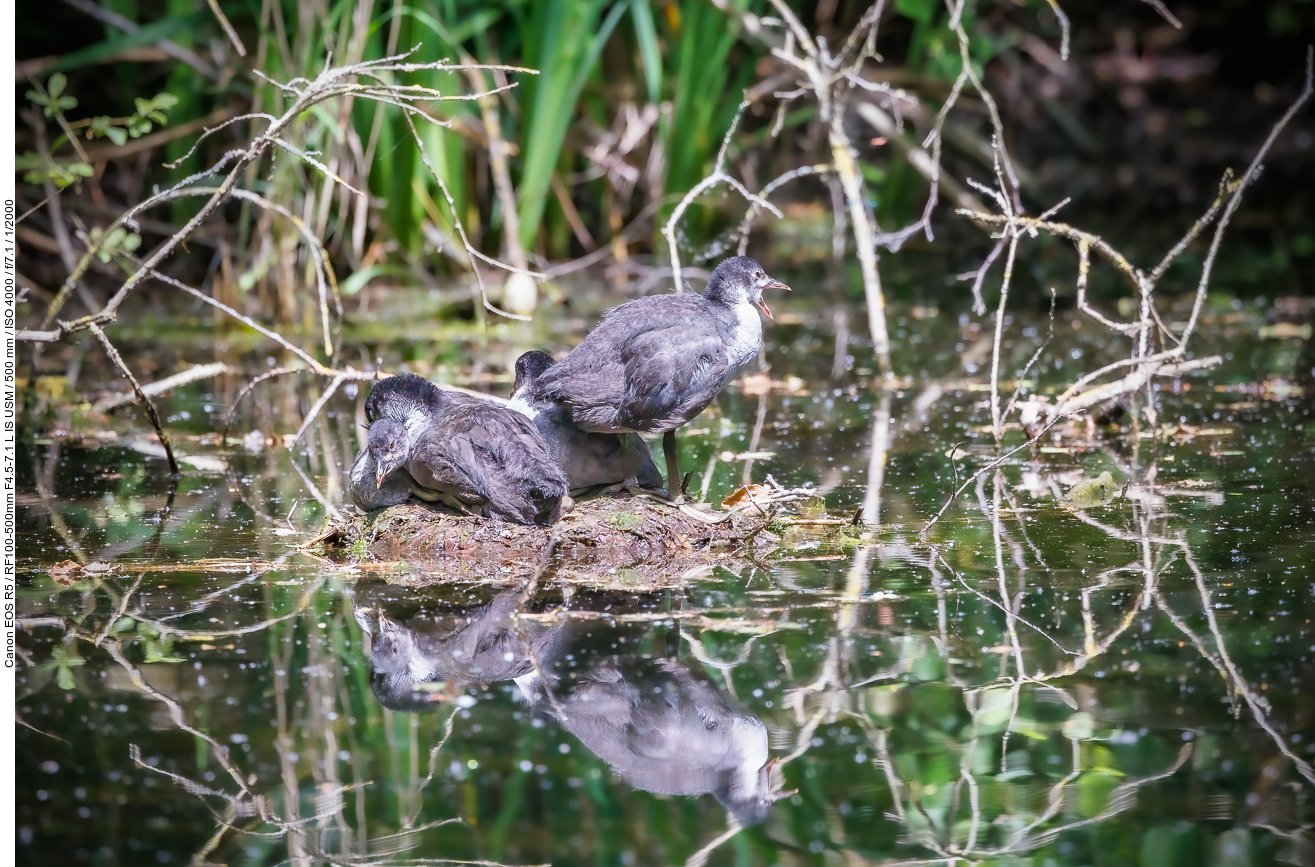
762	305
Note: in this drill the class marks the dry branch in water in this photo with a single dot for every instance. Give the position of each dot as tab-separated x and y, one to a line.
1156	350
834	79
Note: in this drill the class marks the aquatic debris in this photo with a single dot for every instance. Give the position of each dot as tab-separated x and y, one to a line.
749	495
1092	492
600	534
642	537
66	572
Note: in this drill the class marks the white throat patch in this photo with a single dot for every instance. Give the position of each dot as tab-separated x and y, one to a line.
745	339
519	403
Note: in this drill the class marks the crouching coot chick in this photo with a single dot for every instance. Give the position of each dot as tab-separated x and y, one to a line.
465	453
592	462
654	363
370	486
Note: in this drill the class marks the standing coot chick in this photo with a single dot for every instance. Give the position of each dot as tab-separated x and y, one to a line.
463	452
654	363
592	462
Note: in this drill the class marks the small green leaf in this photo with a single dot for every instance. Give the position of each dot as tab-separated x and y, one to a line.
1092	492
33	96
56	84
117	135
65	678
918	10
1079	727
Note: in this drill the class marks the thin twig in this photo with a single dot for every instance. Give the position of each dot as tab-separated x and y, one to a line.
141	396
228	28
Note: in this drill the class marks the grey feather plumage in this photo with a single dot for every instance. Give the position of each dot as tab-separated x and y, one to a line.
465	453
591	461
655	363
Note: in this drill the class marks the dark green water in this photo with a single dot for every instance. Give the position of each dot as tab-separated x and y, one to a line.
1129	683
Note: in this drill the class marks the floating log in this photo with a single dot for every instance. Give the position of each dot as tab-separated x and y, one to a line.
626	538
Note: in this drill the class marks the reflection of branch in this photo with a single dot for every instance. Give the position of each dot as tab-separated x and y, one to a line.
1119	799
1008	612
218	750
699	858
433	764
992	465
1239	683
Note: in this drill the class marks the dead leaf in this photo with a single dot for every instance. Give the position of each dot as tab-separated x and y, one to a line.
757	494
758	383
1285	331
66	572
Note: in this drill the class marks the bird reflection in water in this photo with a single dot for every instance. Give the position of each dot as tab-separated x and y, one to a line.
662	725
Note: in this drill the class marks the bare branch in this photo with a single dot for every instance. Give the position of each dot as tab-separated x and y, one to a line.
141	395
1158	6
228	28
1064	28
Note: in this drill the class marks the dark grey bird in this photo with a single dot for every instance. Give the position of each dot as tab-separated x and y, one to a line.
654	363
478	644
465	453
370	486
593	462
664	726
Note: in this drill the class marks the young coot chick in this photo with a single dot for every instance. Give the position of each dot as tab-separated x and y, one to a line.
591	461
654	363
463	452
370	486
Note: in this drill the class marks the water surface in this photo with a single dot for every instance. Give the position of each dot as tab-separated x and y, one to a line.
1032	681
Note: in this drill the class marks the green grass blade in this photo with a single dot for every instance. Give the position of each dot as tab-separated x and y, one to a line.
148	35
649	50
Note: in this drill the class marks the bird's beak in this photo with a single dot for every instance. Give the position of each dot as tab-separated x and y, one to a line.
771	284
379	474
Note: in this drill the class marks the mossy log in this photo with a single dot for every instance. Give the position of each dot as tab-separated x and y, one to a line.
633	538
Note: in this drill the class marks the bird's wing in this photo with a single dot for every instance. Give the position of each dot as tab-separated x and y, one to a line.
596	382
508	461
588	388
447	460
671	375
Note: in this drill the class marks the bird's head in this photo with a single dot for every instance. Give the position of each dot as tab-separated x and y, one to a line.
529	367
387	445
740	278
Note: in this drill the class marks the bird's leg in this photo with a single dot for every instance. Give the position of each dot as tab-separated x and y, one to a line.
673	466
